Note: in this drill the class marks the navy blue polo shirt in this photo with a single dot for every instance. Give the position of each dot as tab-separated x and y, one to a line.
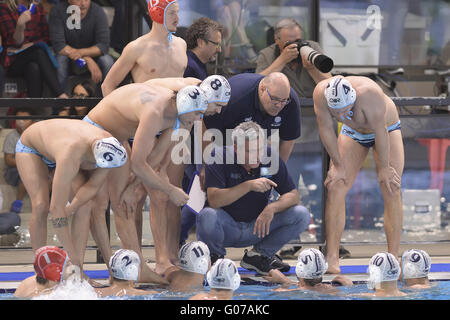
244	105
249	206
195	68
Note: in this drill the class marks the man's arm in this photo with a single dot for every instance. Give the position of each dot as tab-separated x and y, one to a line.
326	126
89	190
376	118
285	201
144	142
221	197
92	52
287	55
66	169
56	25
120	68
286	147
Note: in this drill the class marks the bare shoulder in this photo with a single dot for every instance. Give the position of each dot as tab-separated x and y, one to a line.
180	41
26	288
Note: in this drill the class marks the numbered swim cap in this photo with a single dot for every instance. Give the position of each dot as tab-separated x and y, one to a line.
157	9
382	267
339	93
190	99
217	89
415	264
124	265
224	275
194	257
109	153
49	262
311	264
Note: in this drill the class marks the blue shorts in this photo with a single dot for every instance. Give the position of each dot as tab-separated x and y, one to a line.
88	120
366	139
20	147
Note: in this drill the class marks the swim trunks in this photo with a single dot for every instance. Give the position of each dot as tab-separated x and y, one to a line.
20	147
366	139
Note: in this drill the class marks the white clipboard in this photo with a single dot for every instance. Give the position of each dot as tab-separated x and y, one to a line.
197	197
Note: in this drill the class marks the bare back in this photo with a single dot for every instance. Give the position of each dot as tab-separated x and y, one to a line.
56	137
368	96
120	112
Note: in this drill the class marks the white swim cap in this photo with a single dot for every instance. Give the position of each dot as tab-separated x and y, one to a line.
124	264
109	153
311	264
224	275
415	264
217	89
190	99
382	267
194	257
339	93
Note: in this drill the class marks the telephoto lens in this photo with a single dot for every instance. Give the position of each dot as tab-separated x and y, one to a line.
320	61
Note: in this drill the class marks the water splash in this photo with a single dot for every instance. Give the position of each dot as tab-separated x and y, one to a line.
71	290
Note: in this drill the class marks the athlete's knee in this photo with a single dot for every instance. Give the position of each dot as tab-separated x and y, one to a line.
40	207
207	219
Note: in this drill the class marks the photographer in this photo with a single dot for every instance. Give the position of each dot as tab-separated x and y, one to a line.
280	57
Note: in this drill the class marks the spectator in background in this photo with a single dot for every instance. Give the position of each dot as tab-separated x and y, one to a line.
203	39
89	41
278	58
25	37
9	149
84	89
2	71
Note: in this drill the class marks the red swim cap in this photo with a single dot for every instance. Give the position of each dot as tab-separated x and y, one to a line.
49	262
156	8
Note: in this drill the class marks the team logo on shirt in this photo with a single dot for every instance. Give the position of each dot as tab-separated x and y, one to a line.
248	119
277	121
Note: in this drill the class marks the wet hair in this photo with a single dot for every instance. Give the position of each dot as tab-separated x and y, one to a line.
201	29
41	280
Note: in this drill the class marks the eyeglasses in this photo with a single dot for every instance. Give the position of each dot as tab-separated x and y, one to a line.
278	100
79	96
217	44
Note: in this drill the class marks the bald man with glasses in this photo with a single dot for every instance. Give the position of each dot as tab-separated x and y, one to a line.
267	100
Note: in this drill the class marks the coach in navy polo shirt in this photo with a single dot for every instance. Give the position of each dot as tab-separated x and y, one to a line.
203	39
240	213
267	100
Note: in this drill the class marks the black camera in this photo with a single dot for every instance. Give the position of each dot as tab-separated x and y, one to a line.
320	61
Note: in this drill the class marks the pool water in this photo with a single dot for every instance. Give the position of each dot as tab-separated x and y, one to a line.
440	290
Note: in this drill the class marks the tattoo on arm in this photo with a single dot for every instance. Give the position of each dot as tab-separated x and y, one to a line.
60	222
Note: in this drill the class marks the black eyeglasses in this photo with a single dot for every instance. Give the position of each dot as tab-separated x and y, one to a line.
278	100
217	44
